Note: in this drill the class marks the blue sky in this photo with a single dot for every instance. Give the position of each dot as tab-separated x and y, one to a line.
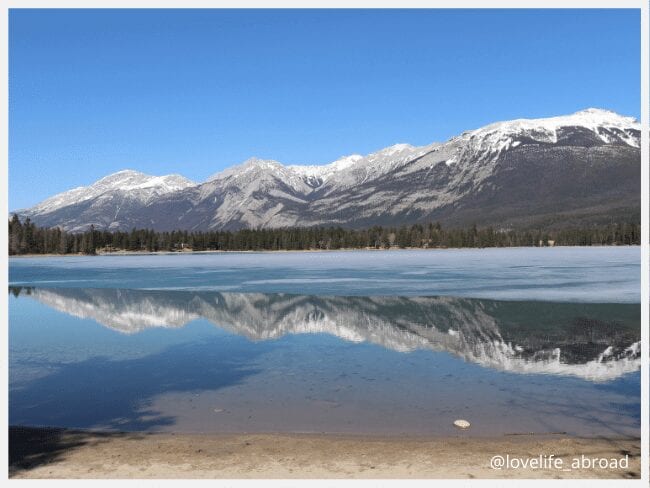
195	91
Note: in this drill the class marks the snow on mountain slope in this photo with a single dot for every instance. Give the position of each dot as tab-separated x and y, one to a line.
316	175
537	163
486	142
600	122
475	153
376	164
534	163
255	170
489	141
140	185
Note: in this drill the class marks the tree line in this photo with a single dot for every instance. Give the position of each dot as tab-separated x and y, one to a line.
28	238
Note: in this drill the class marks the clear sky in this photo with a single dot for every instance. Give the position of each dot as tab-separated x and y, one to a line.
195	91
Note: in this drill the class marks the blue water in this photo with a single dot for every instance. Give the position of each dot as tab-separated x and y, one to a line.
513	340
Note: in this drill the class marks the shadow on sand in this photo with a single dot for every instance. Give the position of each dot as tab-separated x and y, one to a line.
32	447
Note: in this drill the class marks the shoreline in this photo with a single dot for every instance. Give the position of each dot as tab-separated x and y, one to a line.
39	452
279	251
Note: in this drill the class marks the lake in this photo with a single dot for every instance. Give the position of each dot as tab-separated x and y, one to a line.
378	342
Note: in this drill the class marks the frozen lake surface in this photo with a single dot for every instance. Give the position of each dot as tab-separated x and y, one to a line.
586	274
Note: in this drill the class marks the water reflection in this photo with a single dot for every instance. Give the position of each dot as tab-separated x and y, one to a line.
597	342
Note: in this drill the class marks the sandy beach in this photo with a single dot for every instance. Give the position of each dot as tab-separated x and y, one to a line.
59	453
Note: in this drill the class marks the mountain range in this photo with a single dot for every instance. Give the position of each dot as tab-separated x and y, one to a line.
558	172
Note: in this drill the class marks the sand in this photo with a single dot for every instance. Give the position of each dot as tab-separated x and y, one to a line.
58	453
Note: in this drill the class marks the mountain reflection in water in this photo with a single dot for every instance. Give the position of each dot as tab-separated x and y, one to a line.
596	342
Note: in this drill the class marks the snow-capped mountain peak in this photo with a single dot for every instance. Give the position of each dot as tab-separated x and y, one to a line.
601	122
136	183
129	179
379	163
346	161
396	148
591	118
322	173
250	165
402	183
488	142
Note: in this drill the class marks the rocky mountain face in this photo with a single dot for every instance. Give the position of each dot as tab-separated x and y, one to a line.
109	203
563	171
548	338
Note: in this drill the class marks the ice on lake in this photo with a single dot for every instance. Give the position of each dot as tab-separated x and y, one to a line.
585	274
